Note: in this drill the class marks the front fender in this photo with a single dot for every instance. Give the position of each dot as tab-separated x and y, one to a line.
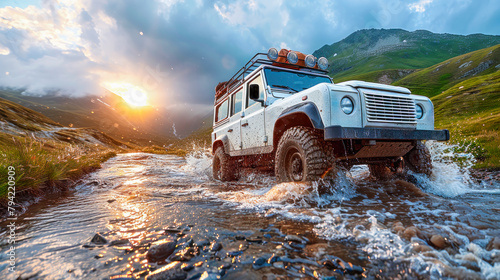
308	109
221	141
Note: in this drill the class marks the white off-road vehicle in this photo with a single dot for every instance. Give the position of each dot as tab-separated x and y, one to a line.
282	110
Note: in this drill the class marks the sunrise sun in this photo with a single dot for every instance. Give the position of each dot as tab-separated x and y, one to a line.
133	95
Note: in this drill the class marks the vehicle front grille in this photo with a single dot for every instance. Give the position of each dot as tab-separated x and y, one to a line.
390	108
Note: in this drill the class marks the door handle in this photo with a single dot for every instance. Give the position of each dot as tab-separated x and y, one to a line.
245	124
230	130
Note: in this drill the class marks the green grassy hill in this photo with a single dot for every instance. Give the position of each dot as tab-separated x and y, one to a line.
45	153
471	111
465	91
371	52
433	80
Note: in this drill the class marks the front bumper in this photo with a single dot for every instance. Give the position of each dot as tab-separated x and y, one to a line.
338	132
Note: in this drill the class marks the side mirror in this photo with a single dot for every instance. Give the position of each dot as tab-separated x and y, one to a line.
254	92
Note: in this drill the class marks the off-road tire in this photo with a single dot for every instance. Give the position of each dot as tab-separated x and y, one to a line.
380	171
419	160
302	155
224	168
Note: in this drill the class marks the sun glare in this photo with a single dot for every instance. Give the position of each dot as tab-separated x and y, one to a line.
133	95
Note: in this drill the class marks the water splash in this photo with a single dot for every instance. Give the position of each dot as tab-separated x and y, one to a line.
451	171
199	163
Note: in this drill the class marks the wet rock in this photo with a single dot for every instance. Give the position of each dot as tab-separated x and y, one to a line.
173	271
273	259
254	240
472	265
410	232
438	241
99	256
330	264
296	246
172	231
215	246
202	243
225	266
259	263
494	244
355	269
119	242
187	267
420	248
98	239
398	227
279	265
294	238
159	252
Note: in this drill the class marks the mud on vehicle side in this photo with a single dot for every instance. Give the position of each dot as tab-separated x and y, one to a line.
282	111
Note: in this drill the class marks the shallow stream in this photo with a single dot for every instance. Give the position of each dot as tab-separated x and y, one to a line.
443	227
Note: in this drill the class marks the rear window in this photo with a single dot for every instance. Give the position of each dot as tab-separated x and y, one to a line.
222	111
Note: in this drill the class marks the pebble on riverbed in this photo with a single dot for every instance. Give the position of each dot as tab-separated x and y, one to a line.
161	250
98	239
438	241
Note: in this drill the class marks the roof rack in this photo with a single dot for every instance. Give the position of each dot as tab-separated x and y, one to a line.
257	60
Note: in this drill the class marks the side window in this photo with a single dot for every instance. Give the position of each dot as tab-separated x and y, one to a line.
222	111
237	102
259	82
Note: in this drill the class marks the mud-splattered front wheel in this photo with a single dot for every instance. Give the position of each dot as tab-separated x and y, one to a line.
302	155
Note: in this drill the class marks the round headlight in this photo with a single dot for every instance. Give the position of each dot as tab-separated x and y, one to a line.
347	105
272	54
310	60
292	57
420	111
322	63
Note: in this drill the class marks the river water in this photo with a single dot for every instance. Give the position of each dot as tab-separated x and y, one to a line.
443	227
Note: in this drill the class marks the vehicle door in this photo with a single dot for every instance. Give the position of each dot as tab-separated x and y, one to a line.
233	129
253	132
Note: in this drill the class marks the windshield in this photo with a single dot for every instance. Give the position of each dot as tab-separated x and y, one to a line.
292	81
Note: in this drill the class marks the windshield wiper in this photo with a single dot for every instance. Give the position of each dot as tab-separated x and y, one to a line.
285	87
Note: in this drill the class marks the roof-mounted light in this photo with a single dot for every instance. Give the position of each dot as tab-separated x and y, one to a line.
292	57
272	54
322	63
310	60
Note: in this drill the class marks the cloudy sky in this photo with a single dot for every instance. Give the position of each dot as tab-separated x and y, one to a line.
177	51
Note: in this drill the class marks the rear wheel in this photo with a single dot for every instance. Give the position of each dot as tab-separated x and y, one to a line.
224	168
302	155
419	160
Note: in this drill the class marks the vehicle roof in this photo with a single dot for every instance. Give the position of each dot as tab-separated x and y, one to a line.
254	65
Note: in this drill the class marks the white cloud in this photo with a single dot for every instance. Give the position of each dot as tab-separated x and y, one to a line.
419	6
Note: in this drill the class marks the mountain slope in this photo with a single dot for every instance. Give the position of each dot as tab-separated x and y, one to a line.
45	153
471	111
372	50
108	113
433	80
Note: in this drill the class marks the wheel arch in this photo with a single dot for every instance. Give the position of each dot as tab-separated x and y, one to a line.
221	142
304	114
